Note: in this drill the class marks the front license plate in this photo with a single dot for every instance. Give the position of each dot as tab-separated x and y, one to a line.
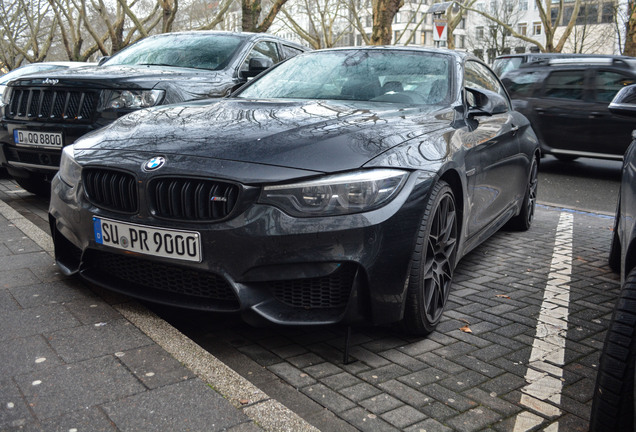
32	138
168	243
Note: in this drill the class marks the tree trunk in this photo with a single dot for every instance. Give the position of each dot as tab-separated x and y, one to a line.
630	31
251	14
383	13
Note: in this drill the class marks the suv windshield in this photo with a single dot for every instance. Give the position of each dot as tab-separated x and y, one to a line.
505	64
204	51
364	75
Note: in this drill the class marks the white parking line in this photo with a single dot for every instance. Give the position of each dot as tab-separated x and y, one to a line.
544	377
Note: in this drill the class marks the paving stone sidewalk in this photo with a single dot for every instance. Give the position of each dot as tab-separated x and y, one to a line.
451	380
71	358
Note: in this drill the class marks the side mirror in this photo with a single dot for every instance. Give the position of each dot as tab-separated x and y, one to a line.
482	102
103	60
624	103
256	66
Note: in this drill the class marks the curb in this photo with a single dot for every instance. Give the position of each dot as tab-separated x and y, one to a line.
268	413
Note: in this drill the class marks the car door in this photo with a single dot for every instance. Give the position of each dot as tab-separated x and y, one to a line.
494	156
562	110
611	133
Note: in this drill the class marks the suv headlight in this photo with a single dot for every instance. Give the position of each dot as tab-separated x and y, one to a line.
4	96
336	194
70	171
129	99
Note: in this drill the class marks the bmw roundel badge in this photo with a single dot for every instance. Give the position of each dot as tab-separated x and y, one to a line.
154	163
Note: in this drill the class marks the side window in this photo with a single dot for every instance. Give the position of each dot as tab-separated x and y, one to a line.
609	83
265	49
568	84
522	84
289	52
479	76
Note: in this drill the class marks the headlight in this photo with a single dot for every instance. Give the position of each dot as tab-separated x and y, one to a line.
70	171
130	99
336	194
4	96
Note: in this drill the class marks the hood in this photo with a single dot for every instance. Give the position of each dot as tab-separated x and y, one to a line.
192	83
310	135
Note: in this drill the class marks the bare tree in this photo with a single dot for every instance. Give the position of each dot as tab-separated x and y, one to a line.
252	9
383	13
28	31
323	23
493	38
454	16
551	14
595	29
359	10
630	30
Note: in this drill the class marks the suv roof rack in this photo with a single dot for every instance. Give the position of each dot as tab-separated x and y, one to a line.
619	61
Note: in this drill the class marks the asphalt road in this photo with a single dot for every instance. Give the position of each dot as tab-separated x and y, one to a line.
583	184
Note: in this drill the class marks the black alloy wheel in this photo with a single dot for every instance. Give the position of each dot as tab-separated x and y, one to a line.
523	221
433	263
613	401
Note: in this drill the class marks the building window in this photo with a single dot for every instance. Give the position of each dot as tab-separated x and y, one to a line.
522	29
523	5
423	38
536	28
609	11
479	32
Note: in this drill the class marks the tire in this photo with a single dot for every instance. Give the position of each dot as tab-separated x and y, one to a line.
613	402
36	185
432	263
523	221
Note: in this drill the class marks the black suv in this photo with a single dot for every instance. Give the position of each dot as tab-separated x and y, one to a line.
567	99
47	111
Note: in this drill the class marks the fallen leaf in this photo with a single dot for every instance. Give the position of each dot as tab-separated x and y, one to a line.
503	296
244	401
464	320
466	329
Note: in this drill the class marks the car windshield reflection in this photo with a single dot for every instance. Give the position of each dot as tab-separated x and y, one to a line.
378	76
212	52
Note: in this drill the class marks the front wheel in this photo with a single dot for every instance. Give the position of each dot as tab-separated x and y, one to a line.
613	402
432	263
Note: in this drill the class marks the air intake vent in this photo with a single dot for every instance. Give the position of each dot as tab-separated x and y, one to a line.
192	199
110	189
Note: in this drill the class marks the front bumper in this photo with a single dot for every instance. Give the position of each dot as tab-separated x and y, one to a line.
284	269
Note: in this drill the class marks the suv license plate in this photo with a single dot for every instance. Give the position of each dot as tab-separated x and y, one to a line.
32	138
167	243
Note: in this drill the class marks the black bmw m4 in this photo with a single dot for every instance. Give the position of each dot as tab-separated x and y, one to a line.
342	186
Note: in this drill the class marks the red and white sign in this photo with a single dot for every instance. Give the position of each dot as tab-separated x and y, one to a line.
439	30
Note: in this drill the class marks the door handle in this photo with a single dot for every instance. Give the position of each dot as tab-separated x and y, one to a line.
596	114
540	110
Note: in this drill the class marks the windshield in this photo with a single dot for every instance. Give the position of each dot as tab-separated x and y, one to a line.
200	51
397	76
506	64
